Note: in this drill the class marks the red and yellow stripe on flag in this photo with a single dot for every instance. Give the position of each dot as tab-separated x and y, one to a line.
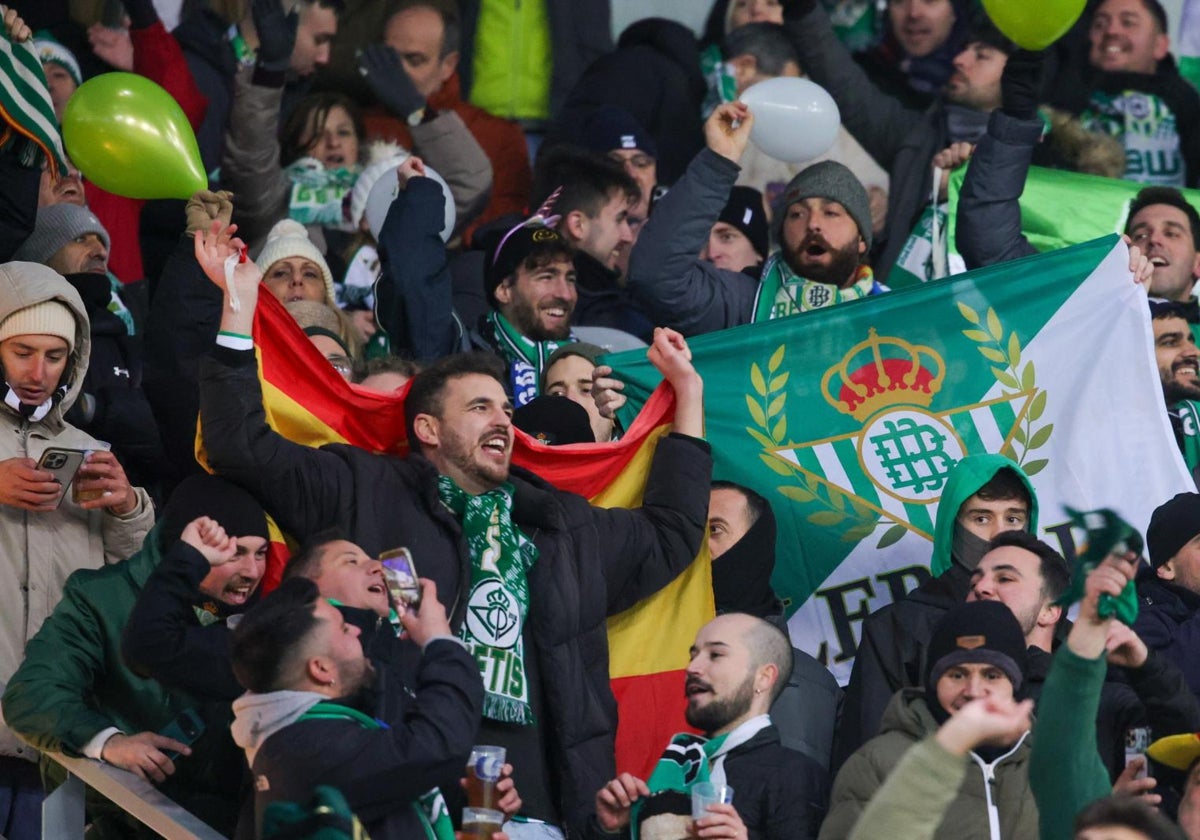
308	402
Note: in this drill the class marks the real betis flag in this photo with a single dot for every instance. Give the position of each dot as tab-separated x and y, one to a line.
308	402
1189	42
1060	208
25	106
849	420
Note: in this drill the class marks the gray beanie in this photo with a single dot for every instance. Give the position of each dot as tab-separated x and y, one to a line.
57	225
834	182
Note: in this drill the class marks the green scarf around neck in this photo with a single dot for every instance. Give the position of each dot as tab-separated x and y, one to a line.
498	605
526	358
686	761
783	292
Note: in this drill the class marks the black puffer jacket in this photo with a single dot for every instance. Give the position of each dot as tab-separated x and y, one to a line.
592	563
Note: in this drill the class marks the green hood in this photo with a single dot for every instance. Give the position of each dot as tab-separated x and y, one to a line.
968	476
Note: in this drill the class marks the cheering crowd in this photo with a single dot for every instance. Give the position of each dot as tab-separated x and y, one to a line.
466	205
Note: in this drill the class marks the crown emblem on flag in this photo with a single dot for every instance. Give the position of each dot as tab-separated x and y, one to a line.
881	372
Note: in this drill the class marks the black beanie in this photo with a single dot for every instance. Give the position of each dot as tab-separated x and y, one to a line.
554	420
521	242
745	211
1172	526
230	506
612	127
982	632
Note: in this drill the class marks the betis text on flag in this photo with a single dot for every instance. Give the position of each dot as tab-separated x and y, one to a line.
1060	208
849	420
307	401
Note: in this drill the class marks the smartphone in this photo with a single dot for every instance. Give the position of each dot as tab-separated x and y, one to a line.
64	463
401	575
185	728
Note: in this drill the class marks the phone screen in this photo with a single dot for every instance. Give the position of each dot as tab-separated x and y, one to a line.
401	575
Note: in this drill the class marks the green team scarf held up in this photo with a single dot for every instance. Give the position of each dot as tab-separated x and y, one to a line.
498	605
526	358
1107	534
783	292
1189	414
686	761
430	806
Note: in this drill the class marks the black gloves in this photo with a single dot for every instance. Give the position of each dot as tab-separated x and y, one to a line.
389	81
141	13
276	34
1020	85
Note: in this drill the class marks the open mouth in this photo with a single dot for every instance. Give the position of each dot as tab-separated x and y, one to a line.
496	445
696	687
335	160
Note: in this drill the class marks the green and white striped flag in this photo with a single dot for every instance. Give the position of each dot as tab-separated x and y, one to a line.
25	104
1189	42
849	420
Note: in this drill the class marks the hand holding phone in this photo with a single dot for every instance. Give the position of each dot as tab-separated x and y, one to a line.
401	575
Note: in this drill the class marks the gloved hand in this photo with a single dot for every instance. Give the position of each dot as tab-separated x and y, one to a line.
204	206
1020	85
276	34
380	65
793	9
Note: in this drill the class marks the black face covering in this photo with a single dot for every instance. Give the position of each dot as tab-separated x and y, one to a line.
742	575
967	548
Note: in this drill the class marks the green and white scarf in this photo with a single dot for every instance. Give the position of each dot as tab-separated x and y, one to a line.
686	761
498	605
1189	416
29	124
722	87
430	806
526	358
783	292
319	195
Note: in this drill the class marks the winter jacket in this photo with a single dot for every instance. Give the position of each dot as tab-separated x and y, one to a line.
654	74
462	143
912	801
209	56
1065	769
603	302
891	652
117	410
380	771
73	685
1169	622
251	166
592	563
38	550
580	33
1002	784
903	141
674	287
165	639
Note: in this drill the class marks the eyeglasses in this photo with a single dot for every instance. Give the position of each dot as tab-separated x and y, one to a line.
342	365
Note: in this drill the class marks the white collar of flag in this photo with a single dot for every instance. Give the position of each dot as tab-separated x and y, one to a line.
25	103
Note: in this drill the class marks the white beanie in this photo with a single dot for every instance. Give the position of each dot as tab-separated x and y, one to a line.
289	239
50	317
50	51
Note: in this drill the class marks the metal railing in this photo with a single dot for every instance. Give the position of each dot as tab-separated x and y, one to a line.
63	810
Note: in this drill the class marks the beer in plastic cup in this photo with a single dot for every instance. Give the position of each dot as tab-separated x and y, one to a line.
483	771
78	495
708	793
481	823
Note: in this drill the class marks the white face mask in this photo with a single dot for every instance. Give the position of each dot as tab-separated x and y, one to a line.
10	399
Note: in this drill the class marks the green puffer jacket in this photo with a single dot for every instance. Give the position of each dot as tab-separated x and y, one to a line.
906	722
73	684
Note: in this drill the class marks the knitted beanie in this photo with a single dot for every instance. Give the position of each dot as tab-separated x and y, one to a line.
1172	526
289	239
202	494
745	211
56	226
50	317
831	181
613	127
979	632
50	51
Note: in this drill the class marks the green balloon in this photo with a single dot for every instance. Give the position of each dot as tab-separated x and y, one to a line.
130	137
1034	24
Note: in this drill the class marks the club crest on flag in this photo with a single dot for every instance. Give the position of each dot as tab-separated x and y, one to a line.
890	472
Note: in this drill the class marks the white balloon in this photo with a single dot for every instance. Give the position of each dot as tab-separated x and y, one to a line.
795	120
384	193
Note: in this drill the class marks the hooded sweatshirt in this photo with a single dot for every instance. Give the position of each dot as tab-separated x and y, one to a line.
256	717
741	576
38	550
891	651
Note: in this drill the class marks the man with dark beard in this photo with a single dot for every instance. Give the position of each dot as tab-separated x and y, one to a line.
739	665
1178	361
308	719
822	224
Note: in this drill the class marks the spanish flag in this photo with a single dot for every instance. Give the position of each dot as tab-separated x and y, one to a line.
308	402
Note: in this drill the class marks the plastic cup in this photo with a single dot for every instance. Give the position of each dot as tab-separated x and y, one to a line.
709	793
78	495
483	771
480	823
